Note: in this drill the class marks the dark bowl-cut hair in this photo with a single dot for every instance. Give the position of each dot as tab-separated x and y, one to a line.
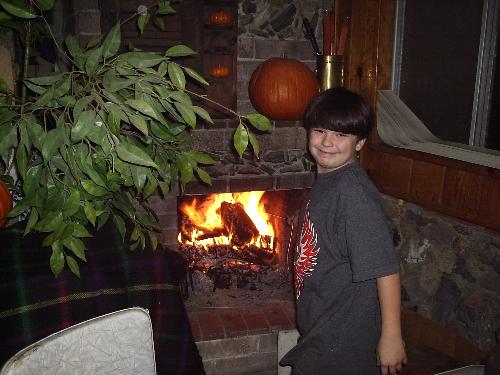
340	110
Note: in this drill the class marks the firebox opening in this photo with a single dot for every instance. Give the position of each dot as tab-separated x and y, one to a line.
239	240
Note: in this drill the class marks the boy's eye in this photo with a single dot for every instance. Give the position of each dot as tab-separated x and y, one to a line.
318	130
342	135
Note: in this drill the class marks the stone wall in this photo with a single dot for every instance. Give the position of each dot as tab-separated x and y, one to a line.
450	270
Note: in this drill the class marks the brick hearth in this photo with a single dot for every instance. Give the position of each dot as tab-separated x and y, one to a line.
241	340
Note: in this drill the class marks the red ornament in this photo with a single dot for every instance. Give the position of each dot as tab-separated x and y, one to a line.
5	203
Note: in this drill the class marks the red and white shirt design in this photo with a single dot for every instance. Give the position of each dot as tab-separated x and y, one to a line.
307	250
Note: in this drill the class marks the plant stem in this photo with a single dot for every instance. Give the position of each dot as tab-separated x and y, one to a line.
207	99
27	51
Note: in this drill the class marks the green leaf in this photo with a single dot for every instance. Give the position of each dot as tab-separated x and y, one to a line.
80	231
50	222
179	51
181	97
90	213
144	108
255	144
45	98
161	131
185	169
150	187
142	20
140	123
83	126
31	181
92	188
139	174
44	4
89	170
72	204
112	83
187	113
76	246
40	90
240	139
93	41
56	259
74	50
120	225
204	176
142	59
260	122
51	144
153	239
164	7
8	139
133	154
162	70
158	22
62	87
201	157
111	43
93	59
21	161
195	75
102	220
20	207
134	236
18	10
32	220
176	75
203	114
73	265
80	105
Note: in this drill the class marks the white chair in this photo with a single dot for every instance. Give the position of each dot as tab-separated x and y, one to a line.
117	343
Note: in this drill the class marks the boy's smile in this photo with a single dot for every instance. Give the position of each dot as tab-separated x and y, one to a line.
332	149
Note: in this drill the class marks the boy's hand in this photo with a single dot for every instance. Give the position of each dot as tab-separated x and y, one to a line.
391	354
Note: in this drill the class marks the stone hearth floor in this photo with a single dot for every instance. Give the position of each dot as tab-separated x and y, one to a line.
211	323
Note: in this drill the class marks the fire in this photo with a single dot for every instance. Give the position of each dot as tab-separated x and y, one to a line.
236	219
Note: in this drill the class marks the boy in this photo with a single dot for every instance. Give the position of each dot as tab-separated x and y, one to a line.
346	271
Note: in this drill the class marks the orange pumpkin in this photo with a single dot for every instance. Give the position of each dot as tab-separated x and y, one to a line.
219	71
220	18
5	203
281	88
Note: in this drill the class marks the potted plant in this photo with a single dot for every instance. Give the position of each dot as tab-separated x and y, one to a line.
92	143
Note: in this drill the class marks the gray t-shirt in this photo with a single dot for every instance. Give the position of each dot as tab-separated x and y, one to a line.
345	245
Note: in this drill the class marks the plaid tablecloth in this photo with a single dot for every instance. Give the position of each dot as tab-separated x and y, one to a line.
34	304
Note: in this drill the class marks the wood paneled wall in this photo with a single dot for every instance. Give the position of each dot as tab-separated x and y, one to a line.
462	190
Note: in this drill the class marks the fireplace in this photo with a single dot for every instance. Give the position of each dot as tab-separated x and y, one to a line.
239	284
239	244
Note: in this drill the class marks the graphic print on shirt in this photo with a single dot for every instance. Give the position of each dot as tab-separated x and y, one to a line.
308	250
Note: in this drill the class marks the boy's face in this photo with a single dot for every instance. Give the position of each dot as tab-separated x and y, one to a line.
332	149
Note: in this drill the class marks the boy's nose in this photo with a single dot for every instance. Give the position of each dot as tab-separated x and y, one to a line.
328	139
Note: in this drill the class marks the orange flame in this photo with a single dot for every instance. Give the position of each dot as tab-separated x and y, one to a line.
205	216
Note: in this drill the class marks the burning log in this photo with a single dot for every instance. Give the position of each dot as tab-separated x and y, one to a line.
236	221
217	232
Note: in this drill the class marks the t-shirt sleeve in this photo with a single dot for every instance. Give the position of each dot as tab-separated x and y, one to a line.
369	242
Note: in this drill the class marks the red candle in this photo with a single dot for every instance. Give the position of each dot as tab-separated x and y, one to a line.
327	32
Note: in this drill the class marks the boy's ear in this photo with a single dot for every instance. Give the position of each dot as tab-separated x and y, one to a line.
360	144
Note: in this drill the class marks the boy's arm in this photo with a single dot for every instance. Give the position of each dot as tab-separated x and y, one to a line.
390	349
